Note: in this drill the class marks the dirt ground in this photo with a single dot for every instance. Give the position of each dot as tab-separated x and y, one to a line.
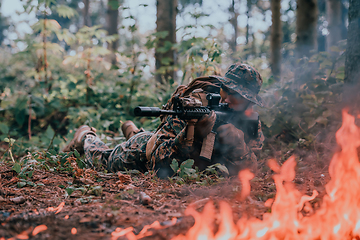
136	200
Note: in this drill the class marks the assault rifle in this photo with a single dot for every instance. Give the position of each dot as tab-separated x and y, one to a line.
191	109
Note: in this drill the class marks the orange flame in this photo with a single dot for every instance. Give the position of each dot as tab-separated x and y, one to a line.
73	231
245	176
57	209
23	235
337	218
128	232
248	112
38	229
119	232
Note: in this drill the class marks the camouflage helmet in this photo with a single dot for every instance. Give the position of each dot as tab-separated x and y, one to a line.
244	80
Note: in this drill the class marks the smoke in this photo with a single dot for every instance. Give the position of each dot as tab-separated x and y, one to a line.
304	108
351	98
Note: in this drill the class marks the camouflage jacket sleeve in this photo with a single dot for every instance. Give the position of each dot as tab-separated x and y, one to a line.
252	146
170	141
244	155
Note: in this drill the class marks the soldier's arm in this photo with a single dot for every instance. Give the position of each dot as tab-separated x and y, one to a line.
238	153
170	142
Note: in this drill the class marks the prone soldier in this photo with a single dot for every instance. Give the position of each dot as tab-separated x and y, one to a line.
178	138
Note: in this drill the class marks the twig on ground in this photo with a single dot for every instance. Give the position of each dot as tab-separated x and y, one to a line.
301	127
200	203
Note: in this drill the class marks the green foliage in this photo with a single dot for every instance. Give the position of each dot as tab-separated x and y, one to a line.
215	168
43	100
113	4
201	57
185	3
83	190
75	87
11	144
91	52
4	129
185	173
198	56
65	11
43	161
46	161
185	170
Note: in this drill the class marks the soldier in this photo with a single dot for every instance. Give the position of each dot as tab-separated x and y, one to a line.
145	150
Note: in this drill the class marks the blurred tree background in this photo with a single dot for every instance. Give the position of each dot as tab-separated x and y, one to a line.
92	61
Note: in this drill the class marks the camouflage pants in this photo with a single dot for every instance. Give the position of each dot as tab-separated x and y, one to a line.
127	155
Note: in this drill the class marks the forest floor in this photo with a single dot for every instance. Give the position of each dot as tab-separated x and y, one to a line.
101	203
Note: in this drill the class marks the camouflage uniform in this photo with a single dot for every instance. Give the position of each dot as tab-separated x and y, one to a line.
170	141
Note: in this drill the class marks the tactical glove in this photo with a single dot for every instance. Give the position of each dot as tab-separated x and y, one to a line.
204	125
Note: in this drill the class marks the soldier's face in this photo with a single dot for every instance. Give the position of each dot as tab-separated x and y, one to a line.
234	100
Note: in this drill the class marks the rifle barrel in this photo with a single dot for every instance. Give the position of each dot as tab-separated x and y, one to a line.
151	111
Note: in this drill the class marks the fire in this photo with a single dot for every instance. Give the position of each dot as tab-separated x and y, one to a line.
146	231
39	229
337	218
245	176
73	231
248	112
57	209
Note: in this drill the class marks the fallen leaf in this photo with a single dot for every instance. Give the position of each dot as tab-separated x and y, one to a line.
124	178
85	219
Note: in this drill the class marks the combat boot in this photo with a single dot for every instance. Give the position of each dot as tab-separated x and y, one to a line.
78	141
129	129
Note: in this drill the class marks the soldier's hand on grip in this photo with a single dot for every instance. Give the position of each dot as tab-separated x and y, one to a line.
204	125
230	135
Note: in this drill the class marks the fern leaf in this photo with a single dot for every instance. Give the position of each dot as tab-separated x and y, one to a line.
65	11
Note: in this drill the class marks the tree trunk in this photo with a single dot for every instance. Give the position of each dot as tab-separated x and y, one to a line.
3	25
234	23
352	61
333	16
253	45
344	18
87	21
276	39
306	27
113	19
166	21
248	21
